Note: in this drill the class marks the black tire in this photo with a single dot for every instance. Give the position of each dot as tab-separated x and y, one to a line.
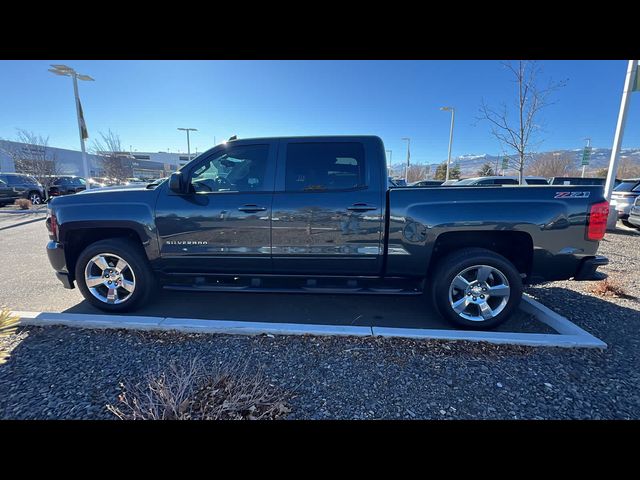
132	253
35	198
452	265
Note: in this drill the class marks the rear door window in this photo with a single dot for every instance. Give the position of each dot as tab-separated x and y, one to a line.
312	167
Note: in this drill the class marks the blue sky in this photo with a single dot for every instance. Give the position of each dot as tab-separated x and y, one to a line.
144	102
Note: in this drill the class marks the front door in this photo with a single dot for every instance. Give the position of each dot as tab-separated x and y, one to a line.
327	210
6	192
224	224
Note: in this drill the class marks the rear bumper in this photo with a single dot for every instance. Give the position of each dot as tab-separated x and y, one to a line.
588	267
55	252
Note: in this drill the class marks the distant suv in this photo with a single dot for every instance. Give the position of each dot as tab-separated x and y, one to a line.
427	183
623	197
499	180
66	185
16	185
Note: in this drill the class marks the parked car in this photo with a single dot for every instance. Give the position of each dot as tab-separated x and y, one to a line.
427	183
66	185
577	181
17	185
313	214
400	182
634	213
623	197
499	180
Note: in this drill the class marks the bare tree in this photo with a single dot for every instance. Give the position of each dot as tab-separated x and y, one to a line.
627	168
114	158
519	134
553	165
486	170
417	172
31	155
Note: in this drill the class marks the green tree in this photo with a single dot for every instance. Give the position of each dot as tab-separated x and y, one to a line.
441	172
486	170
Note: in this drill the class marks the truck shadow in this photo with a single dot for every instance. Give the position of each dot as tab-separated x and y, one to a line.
358	310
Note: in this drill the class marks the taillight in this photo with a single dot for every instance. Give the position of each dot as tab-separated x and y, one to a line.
52	225
597	221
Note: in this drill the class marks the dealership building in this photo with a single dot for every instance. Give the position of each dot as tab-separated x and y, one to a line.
69	162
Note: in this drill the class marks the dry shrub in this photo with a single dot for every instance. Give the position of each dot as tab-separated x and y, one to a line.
609	288
8	325
24	203
191	393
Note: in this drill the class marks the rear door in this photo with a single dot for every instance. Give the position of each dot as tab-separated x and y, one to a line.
223	225
328	208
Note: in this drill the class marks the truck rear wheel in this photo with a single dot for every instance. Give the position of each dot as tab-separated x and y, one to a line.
114	275
476	288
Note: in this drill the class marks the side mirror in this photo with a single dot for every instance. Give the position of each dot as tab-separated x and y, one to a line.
176	183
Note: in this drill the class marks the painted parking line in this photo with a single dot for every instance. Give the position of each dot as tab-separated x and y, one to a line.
569	335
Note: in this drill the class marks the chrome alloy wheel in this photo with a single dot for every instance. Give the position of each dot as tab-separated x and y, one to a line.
35	198
479	293
109	278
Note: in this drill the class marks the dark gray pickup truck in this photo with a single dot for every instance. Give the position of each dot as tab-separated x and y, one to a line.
315	214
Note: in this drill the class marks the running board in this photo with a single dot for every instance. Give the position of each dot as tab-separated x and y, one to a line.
299	284
354	291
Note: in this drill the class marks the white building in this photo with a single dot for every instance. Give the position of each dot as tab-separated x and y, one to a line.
69	162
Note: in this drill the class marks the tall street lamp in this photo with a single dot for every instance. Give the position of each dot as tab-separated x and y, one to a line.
65	71
453	115
406	171
188	142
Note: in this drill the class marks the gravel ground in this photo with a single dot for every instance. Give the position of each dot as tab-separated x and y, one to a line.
59	372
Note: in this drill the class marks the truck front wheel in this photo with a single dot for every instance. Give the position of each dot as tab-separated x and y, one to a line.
114	275
476	288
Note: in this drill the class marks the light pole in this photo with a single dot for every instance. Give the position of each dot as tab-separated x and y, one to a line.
390	152
66	71
406	171
188	142
453	116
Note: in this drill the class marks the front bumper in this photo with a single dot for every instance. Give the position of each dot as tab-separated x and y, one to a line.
588	267
622	206
634	217
55	252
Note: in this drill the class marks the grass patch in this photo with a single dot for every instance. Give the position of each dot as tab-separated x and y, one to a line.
23	203
610	287
193	392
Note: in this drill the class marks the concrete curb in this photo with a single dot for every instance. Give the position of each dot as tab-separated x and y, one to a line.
569	335
22	212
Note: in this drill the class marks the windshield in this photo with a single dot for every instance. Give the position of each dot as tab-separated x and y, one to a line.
466	181
626	187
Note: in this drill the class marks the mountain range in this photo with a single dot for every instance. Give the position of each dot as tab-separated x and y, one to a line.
471	163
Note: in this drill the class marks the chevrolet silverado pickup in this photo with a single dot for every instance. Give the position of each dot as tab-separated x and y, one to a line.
316	214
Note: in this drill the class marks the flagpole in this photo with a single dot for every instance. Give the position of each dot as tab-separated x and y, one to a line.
85	165
632	72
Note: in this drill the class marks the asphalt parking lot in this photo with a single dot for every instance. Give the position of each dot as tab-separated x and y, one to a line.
64	373
30	285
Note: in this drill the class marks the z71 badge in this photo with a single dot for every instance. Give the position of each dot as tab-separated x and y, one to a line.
572	194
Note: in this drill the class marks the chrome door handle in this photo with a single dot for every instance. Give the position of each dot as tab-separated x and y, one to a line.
361	207
251	208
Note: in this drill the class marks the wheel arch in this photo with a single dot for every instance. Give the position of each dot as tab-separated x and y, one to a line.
515	246
79	237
